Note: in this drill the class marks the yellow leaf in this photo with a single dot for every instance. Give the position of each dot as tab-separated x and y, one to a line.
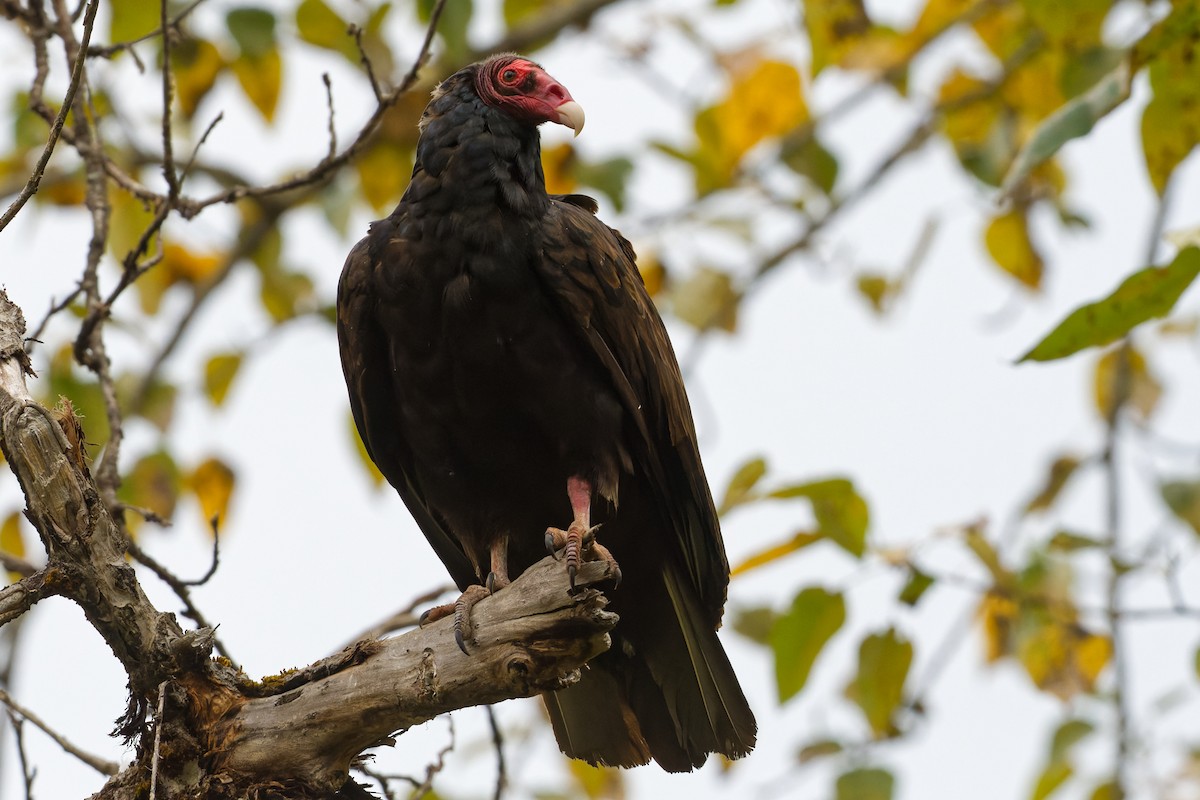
383	172
260	77
128	221
1008	241
654	273
1060	472
61	189
360	448
765	100
833	28
196	63
219	372
188	266
1034	90
11	540
1122	375
557	163
212	482
1074	24
997	612
597	783
178	265
1090	654
775	552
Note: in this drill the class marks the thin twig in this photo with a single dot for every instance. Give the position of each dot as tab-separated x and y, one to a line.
181	588
27	774
498	743
214	523
101	765
403	618
168	165
329	102
357	32
329	165
112	49
158	723
39	169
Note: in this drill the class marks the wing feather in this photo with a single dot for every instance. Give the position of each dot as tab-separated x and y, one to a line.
366	362
592	272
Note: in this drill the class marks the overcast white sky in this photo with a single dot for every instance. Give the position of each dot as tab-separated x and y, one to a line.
925	410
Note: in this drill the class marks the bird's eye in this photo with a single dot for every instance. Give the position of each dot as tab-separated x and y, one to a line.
508	76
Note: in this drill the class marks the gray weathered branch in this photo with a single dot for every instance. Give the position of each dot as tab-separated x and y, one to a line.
219	734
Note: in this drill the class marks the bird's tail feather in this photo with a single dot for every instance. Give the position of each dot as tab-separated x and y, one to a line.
665	690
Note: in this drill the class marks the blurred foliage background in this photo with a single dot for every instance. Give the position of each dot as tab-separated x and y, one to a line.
757	180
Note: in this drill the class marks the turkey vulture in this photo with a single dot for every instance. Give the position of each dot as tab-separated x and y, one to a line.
499	348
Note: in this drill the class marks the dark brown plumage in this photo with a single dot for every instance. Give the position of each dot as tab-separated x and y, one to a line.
498	345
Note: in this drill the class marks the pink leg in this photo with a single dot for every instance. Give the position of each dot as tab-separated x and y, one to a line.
579	539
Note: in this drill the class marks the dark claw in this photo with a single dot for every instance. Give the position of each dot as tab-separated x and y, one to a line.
571	576
424	618
491	582
458	639
616	578
550	545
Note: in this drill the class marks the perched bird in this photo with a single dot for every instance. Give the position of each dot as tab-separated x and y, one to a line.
508	371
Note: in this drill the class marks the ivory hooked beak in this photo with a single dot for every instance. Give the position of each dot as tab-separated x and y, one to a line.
571	114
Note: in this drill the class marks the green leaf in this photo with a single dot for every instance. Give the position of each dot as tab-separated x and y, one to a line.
818	749
866	783
808	157
152	484
1069	734
915	588
707	299
132	19
157	402
800	634
452	26
1055	774
1071	121
1183	498
253	29
1068	542
741	485
320	25
609	177
878	686
755	623
841	512
1147	294
219	372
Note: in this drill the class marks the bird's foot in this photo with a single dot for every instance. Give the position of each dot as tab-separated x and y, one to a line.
461	609
579	545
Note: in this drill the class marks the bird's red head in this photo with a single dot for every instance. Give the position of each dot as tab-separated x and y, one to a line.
524	91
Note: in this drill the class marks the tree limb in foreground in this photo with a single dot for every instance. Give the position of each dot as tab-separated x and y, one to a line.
220	734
